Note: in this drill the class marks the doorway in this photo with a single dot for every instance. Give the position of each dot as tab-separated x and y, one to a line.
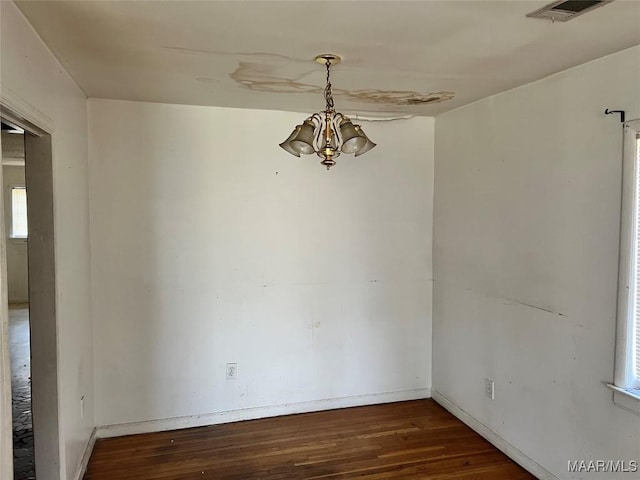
16	230
29	305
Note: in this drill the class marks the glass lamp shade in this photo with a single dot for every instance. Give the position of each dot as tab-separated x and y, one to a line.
302	142
367	146
352	140
286	145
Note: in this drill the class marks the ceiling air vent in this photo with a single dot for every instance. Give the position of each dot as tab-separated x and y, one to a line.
566	10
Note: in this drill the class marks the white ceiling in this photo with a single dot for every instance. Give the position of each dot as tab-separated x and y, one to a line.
260	54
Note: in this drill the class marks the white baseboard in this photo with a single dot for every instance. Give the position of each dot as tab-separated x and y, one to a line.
82	468
257	412
496	440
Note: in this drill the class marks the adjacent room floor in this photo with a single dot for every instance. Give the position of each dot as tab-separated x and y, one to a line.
23	459
406	440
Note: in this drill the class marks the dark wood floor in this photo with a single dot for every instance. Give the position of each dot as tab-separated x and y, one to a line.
406	440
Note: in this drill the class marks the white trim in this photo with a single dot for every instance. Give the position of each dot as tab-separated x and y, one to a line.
26	111
84	463
624	376
496	440
12	162
228	416
23	114
6	444
626	399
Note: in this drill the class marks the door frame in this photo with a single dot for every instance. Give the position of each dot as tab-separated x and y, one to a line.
42	306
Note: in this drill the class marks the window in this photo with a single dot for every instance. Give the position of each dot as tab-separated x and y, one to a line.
627	371
19	212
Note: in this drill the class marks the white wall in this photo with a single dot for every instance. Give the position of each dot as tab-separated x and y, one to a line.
212	245
33	82
17	276
527	205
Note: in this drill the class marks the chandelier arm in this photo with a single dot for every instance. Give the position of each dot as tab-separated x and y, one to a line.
319	126
337	119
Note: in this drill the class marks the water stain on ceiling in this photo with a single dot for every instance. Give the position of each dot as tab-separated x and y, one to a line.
274	73
398	97
261	77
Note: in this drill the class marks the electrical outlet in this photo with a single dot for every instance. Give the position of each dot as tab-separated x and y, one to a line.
489	388
232	371
82	407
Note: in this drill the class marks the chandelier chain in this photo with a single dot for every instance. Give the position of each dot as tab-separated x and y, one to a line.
328	94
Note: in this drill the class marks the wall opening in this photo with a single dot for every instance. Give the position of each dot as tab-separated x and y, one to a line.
16	230
28	304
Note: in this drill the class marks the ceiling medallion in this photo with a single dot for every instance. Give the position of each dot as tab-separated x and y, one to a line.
327	133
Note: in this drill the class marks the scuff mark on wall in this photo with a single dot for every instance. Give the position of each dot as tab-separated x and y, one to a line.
547	310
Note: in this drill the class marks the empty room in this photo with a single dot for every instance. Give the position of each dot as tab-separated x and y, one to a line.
320	240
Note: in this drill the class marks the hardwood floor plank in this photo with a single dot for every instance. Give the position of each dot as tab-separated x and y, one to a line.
416	440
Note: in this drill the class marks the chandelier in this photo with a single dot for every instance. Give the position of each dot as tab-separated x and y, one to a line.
327	133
